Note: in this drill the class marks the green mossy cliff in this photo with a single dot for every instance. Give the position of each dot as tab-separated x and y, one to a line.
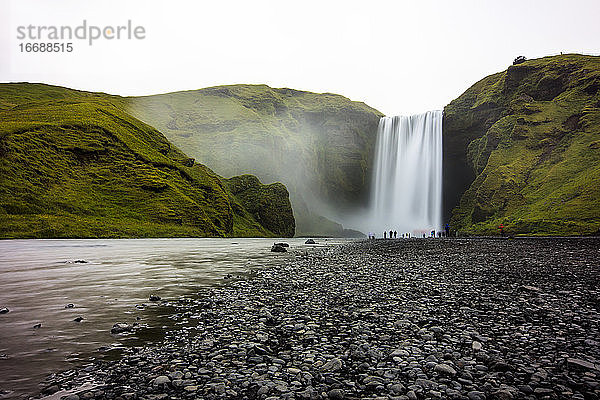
319	145
76	164
522	148
268	204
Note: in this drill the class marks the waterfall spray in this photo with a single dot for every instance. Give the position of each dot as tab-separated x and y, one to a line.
407	182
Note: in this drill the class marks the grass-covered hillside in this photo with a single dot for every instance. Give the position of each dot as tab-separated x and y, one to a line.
319	145
267	204
522	148
76	164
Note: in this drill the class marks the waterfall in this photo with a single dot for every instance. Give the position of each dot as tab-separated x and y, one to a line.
406	192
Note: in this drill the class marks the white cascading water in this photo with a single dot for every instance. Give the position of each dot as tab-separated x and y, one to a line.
407	182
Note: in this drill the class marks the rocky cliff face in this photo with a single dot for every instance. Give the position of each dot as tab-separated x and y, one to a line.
269	205
522	148
76	164
319	145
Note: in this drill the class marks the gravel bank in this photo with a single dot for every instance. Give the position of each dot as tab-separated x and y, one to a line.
399	319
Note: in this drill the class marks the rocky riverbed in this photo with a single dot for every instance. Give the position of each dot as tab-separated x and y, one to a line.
398	319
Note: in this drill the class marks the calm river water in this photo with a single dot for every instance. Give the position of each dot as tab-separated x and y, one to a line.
40	279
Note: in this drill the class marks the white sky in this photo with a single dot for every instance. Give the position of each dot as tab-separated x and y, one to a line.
400	57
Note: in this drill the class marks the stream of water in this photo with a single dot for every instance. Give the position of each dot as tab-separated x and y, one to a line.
40	279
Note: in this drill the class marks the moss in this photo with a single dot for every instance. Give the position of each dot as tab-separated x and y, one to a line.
75	164
268	204
523	141
319	145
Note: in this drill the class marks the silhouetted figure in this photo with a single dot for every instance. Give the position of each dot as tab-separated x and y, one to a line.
384	234
433	233
391	233
447	229
395	234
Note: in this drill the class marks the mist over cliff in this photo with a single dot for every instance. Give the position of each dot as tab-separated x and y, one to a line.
319	145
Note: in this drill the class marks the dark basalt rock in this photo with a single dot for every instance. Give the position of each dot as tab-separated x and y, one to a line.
583	365
519	60
154	297
121	327
380	319
278	249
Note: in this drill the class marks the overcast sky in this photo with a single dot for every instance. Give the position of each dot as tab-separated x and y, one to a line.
400	57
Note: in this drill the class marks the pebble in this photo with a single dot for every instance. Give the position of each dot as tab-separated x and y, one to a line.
582	364
400	319
121	327
332	365
445	369
161	380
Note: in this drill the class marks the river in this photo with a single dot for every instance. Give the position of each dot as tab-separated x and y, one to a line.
106	281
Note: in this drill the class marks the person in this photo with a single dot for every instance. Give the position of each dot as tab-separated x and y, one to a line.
384	234
447	229
501	227
391	233
395	234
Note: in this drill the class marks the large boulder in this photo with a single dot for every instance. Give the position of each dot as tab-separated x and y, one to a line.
268	204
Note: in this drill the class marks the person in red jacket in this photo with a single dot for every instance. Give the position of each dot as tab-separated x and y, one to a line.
501	227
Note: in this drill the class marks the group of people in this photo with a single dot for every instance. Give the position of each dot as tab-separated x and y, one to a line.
394	234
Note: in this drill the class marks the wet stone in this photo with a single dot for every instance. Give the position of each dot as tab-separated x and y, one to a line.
404	319
445	369
161	380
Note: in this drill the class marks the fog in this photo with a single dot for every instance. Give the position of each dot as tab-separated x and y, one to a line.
401	57
273	139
